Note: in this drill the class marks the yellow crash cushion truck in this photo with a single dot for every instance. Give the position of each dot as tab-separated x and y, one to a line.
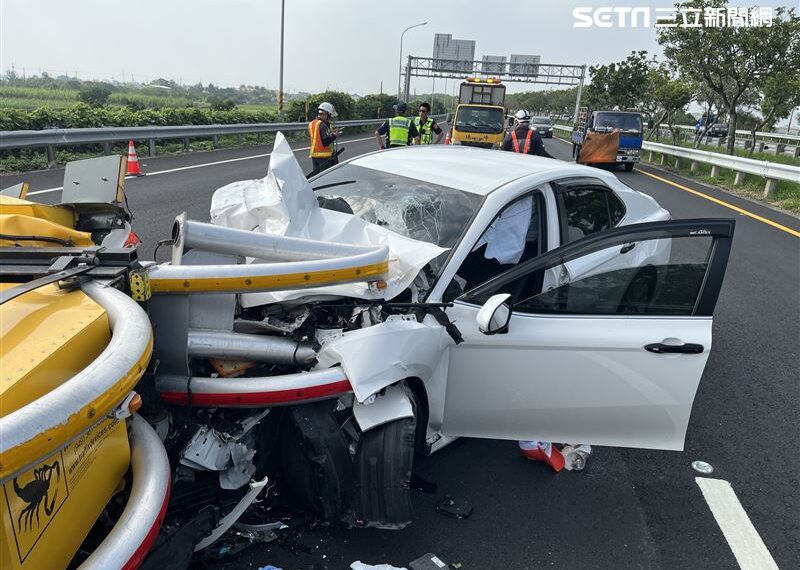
479	118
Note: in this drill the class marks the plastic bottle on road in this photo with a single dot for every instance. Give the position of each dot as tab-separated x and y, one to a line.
575	456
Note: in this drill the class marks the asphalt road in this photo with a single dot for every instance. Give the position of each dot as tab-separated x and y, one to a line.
630	508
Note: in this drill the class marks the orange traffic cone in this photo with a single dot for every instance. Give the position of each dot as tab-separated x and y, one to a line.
133	161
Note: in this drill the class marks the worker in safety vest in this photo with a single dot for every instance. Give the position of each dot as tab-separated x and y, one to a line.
399	130
426	126
322	138
523	139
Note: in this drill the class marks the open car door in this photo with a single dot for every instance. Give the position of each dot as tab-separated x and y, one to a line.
611	356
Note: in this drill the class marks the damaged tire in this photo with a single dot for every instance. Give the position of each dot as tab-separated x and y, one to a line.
316	462
382	471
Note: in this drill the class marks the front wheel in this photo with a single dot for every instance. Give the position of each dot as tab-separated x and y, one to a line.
382	474
629	166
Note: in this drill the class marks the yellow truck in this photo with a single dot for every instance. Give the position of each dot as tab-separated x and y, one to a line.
479	118
92	467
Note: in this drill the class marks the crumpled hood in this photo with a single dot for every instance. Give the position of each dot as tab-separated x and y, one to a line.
283	203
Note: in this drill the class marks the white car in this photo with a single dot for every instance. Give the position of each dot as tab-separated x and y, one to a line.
525	298
610	322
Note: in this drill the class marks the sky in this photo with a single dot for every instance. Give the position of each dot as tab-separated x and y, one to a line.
348	45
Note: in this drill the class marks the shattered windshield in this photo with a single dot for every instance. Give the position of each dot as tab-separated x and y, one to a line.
414	208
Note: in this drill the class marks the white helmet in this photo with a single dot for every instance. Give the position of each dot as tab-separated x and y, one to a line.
522	116
328	108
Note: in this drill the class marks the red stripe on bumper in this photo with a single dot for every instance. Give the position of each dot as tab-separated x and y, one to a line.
144	548
296	395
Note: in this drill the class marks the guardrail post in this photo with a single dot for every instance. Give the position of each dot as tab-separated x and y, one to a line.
780	148
748	143
260	137
51	157
739	178
185	143
693	166
769	188
106	148
677	162
239	138
761	146
663	159
650	156
214	141
714	170
797	151
151	144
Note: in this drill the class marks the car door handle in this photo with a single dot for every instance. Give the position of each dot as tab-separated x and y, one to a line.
687	348
627	247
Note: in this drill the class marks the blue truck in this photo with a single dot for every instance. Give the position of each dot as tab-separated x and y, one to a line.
629	125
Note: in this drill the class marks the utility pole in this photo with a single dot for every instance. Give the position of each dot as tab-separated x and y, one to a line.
280	84
433	93
400	66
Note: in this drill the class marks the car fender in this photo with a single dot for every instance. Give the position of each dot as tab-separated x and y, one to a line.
391	404
376	357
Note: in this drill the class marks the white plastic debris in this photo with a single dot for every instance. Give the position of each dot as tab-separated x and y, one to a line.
358	565
575	456
283	203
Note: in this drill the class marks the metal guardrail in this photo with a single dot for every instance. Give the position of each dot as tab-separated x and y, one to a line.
52	138
771	171
759	134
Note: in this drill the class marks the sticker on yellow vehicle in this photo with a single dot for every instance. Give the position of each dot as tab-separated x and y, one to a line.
33	499
47	511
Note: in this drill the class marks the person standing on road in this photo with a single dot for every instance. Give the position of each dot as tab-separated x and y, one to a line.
523	139
322	138
399	130
426	126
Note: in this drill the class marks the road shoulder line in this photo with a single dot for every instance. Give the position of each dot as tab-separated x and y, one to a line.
742	537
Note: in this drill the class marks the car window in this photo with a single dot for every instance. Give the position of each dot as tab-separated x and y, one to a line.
661	276
516	234
616	209
586	208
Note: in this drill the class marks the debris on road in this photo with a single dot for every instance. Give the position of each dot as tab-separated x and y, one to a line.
456	508
358	565
427	562
575	456
543	451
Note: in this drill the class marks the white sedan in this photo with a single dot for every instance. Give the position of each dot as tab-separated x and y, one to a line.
595	328
523	298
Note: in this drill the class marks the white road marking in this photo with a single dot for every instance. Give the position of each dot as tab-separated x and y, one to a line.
747	546
199	165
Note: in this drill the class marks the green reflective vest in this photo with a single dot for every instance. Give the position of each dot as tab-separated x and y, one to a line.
425	132
398	131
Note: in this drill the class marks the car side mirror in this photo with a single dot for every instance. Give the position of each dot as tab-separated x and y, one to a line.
511	121
495	314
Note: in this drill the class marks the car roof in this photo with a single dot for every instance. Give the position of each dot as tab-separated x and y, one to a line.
471	169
